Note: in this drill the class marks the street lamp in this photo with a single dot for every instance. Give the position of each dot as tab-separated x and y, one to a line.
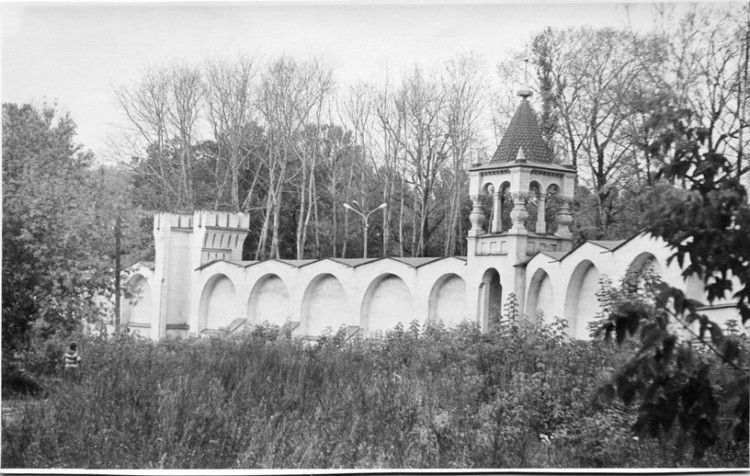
364	218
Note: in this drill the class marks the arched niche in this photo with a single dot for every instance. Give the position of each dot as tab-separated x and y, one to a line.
540	297
490	298
218	305
642	265
139	305
269	301
581	304
386	303
448	300
324	305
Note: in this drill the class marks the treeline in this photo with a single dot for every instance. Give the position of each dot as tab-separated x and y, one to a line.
275	140
282	140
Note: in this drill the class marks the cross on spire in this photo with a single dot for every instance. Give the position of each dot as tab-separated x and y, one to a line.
526	70
526	92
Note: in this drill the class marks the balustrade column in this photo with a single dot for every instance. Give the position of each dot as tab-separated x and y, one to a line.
518	213
476	217
564	220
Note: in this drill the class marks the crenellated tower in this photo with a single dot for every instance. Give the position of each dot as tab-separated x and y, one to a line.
183	244
530	193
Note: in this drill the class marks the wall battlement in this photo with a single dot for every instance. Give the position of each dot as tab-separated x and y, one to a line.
202	219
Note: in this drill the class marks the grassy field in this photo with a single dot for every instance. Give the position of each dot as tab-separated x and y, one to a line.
416	398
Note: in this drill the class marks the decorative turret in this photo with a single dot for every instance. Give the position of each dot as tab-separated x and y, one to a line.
522	177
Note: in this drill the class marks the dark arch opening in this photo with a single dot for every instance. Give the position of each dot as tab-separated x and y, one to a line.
490	299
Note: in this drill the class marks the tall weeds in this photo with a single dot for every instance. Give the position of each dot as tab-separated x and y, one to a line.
419	397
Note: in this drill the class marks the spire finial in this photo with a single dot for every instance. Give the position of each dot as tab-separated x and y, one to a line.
526	92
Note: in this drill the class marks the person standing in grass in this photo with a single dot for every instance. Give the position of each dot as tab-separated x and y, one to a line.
71	359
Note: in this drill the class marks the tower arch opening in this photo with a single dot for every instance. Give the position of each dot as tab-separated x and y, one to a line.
535	207
552	208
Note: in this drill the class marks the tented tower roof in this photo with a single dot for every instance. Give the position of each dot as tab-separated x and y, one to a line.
525	135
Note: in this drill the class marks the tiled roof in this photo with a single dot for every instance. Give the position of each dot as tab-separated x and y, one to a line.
523	134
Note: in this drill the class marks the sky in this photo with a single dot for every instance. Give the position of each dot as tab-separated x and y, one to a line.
76	55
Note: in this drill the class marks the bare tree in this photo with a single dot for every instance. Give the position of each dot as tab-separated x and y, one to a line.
163	108
314	85
425	142
291	94
592	77
185	96
704	65
463	86
388	159
229	92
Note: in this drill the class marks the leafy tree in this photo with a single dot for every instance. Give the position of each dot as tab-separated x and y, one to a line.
705	221
58	227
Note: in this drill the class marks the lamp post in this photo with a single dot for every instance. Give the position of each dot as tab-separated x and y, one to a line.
364	218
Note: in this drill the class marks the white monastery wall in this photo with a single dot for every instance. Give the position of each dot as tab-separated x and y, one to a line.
198	282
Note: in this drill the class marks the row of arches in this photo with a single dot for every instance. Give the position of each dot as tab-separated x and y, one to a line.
581	305
325	303
540	207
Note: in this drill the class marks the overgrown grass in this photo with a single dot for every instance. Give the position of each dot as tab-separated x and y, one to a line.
417	398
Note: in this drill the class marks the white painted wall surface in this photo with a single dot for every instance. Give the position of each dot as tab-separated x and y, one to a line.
448	301
143	309
324	305
387	303
269	302
219	303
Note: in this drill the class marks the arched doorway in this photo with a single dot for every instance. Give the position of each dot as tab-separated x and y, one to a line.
490	299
